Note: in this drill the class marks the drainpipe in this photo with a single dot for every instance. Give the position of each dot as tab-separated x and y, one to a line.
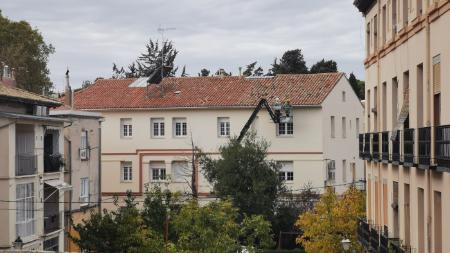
69	223
429	104
99	166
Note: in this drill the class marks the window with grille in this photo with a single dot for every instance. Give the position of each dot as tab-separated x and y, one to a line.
158	127
180	127
127	172
84	191
223	125
286	172
25	225
158	174
126	128
331	170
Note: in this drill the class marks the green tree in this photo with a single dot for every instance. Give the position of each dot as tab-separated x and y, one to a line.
357	85
122	230
158	60
23	49
157	206
183	72
204	72
244	174
292	62
332	220
214	228
324	67
249	69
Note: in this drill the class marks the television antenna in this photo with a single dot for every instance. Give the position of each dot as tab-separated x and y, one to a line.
162	30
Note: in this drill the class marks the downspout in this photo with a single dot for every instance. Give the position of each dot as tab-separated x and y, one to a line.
429	104
99	166
69	224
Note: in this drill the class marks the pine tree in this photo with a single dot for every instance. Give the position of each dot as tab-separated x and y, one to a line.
324	67
204	72
292	62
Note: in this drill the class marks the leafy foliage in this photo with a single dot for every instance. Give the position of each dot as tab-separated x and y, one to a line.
324	67
23	49
357	85
157	207
183	72
331	221
122	230
204	72
292	62
150	63
251	71
244	175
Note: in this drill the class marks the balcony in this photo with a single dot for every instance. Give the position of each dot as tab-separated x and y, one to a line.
363	232
424	156
396	149
442	148
385	147
408	147
26	164
51	223
376	147
366	153
51	209
53	163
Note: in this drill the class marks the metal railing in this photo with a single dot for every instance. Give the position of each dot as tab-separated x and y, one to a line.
385	146
376	146
53	162
51	223
442	147
361	145
366	154
396	148
26	164
408	147
424	151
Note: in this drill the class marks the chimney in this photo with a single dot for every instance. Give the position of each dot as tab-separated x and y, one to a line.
68	96
8	77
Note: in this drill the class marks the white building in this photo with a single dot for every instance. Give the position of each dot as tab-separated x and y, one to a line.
147	131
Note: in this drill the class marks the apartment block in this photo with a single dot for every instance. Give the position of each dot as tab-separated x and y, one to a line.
406	141
32	183
149	130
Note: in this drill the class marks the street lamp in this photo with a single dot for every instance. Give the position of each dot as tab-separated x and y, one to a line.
18	243
346	244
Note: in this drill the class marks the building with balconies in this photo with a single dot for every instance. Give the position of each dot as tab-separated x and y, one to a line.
406	142
31	171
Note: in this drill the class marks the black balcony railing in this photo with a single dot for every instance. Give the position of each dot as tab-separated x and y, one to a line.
443	147
25	164
363	232
376	146
51	223
408	147
424	155
384	240
374	239
53	162
366	154
361	145
385	146
396	148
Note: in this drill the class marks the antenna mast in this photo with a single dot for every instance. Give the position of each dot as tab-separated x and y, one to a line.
162	30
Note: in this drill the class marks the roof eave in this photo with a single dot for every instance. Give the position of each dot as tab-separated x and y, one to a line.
364	5
30	101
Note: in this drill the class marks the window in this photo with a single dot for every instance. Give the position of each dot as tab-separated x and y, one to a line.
332	127
343	96
180	171
405	12
368	39
286	128
126	128
331	170
84	148
384	24
394	17
126	172
84	191
344	171
344	127
157	125
419	7
158	171
286	172
375	32
180	127
357	127
223	127
25	209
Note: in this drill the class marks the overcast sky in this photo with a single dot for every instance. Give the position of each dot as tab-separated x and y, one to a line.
90	35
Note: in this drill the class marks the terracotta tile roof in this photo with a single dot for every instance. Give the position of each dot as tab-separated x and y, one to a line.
20	95
308	89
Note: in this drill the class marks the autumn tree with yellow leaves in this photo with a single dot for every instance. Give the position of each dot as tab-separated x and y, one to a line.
333	219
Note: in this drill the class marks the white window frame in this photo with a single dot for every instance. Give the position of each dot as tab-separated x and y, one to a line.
84	191
179	127
286	173
126	172
223	126
160	172
126	128
285	129
157	127
25	216
84	147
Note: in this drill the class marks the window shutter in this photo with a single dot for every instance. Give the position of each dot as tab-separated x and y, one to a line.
437	78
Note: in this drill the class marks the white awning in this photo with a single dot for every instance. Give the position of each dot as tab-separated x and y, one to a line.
58	184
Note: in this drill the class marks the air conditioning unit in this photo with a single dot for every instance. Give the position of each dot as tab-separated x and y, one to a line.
84	153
